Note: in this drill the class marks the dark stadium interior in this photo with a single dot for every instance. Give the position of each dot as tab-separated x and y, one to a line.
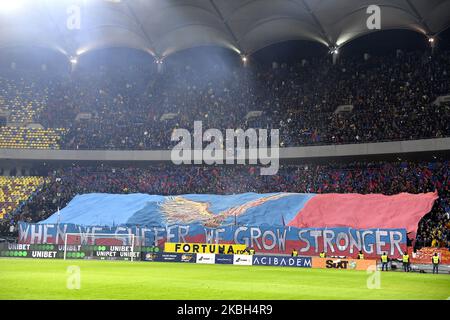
123	97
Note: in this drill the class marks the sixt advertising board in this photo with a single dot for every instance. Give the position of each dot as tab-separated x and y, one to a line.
282	261
343	264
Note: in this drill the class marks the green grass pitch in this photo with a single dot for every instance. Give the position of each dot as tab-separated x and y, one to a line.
47	279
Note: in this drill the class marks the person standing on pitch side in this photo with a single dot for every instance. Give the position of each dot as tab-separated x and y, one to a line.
435	260
384	261
405	260
360	255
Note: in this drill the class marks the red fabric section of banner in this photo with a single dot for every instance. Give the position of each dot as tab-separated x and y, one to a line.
359	211
424	255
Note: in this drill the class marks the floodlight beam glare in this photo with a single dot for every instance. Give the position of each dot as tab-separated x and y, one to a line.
9	6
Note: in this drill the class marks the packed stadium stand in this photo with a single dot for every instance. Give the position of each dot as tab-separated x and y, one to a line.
32	138
124	108
21	98
14	191
358	177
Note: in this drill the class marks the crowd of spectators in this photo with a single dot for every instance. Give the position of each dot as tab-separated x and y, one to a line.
392	98
123	107
358	177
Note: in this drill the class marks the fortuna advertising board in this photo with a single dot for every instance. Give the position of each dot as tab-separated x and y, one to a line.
203	248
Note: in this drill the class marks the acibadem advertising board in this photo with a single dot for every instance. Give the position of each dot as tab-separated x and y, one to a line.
176	247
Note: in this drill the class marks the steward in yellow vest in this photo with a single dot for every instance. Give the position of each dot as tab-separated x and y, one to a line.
322	255
435	260
384	261
360	255
252	251
405	260
294	253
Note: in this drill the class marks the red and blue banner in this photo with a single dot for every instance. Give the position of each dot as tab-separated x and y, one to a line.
339	224
277	240
300	210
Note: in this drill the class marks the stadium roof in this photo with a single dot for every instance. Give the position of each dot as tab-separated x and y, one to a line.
162	27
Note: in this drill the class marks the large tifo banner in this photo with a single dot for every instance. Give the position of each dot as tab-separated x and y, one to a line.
278	240
340	224
424	255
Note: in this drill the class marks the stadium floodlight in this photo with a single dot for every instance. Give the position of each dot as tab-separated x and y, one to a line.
8	6
73	60
244	59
